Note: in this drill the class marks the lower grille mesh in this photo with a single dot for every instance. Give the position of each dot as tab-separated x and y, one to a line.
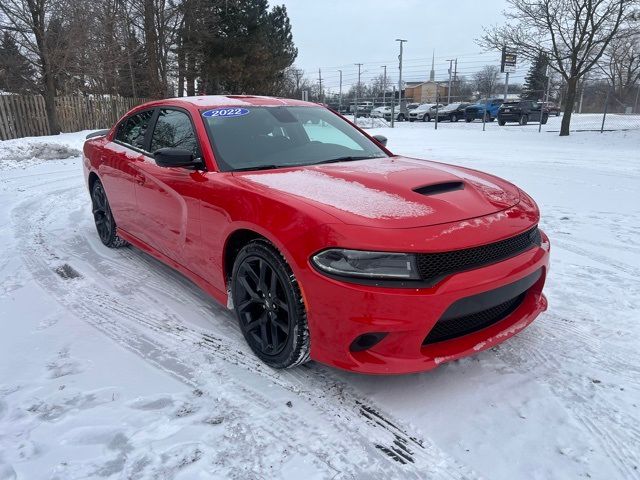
457	327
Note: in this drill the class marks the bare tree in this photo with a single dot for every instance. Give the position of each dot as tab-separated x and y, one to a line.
31	19
621	64
486	80
573	33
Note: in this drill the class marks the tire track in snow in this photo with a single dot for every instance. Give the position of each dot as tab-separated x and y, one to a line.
187	353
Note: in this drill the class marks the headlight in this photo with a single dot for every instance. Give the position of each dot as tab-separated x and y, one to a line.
356	263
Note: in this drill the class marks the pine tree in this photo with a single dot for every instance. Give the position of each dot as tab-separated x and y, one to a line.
16	73
245	47
536	80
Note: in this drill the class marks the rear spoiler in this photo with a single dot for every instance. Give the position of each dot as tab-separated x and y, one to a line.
99	133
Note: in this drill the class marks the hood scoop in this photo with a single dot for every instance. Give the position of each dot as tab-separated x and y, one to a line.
438	188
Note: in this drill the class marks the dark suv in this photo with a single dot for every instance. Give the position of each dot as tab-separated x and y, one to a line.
521	111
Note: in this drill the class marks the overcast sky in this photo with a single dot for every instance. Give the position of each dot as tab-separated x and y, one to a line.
335	34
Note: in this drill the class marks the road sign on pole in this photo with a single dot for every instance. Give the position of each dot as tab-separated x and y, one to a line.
508	63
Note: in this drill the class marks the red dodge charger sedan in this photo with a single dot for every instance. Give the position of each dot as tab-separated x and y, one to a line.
324	243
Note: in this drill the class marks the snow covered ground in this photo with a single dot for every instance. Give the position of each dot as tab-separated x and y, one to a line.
114	366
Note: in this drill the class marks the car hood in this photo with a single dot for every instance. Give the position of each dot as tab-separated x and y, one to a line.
394	192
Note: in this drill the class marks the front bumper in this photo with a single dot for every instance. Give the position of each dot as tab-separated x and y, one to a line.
340	312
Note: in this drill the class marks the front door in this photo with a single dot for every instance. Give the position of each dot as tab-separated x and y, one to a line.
118	172
168	198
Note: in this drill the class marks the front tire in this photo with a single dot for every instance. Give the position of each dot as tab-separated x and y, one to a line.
454	118
502	123
524	119
426	118
269	306
103	217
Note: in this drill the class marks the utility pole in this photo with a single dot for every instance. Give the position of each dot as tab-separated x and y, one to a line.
449	89
355	114
384	87
455	78
320	85
400	75
340	93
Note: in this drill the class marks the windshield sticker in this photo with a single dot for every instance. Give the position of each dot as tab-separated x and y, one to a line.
226	112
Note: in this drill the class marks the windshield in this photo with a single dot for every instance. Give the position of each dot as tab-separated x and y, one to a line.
273	137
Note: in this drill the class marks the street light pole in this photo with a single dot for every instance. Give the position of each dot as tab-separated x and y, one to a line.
449	89
340	94
355	114
384	87
400	75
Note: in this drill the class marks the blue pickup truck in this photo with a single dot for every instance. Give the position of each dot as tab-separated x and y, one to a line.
475	111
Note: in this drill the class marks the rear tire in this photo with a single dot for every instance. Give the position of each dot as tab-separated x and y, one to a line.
524	119
401	117
545	119
468	120
269	306
103	218
454	118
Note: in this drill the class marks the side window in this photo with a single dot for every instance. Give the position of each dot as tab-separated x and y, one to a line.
132	130
173	129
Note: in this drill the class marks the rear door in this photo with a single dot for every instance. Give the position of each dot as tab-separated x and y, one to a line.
118	172
168	199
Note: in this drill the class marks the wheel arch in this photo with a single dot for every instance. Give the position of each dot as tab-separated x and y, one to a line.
91	179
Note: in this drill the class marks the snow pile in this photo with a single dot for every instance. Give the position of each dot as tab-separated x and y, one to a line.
352	197
23	152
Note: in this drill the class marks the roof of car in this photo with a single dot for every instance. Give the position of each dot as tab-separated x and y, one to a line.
207	101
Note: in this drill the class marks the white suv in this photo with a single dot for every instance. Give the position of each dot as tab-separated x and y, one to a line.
424	112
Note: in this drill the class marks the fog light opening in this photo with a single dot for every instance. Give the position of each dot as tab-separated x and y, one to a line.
366	341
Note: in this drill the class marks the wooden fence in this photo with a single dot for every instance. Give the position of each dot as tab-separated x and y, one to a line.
25	116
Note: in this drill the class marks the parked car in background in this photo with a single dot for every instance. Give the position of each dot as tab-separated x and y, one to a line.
378	112
400	115
412	106
425	112
522	111
452	112
364	108
385	112
553	109
477	110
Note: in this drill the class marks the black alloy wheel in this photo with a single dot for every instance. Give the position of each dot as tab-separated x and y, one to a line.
269	306
103	218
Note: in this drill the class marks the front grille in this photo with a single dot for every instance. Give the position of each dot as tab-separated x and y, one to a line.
433	267
456	327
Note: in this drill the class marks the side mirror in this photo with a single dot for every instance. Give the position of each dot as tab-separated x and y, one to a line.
175	157
381	139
